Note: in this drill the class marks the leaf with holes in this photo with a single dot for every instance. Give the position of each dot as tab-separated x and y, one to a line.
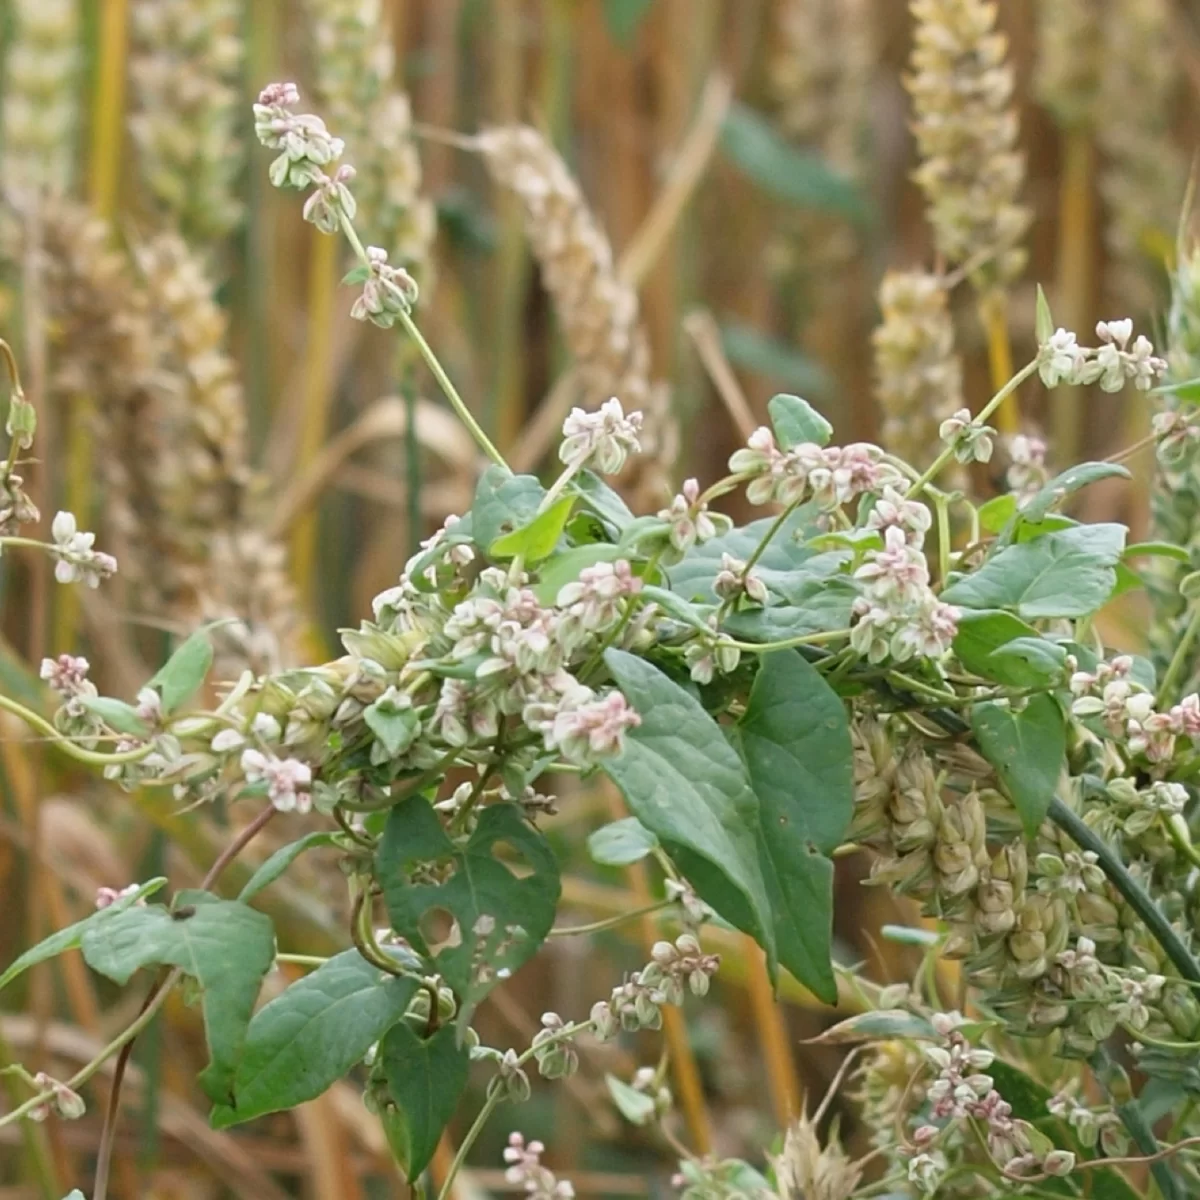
686	783
503	503
426	1078
312	1034
1028	749
225	946
502	916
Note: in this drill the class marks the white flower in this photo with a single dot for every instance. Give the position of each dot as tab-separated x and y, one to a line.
227	740
1060	358
893	510
602	439
76	558
1118	332
287	779
691	522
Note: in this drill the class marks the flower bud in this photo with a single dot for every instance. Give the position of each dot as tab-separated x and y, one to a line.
1059	1162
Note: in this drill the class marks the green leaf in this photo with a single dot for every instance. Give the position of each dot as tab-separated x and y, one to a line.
70	937
1028	749
116	714
982	632
225	946
1068	573
502	917
556	572
426	1078
1044	660
461	533
796	421
1053	493
537	539
795	739
796	176
996	513
359	274
394	723
312	1034
602	500
884	1025
1043	323
636	1107
503	503
676	606
273	867
753	350
75	1194
684	782
623	18
620	843
181	675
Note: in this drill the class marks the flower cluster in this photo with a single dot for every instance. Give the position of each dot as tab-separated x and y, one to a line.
76	558
525	1170
1026	466
970	441
306	146
1062	360
690	520
603	439
65	1102
831	476
387	291
553	1049
287	779
637	1003
1127	710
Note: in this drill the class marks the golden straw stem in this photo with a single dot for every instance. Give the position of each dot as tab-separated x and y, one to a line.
1076	223
315	401
773	1038
993	312
104	175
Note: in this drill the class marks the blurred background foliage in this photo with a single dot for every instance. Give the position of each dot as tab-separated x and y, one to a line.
703	217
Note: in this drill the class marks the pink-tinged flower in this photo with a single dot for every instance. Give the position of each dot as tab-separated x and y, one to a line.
594	602
76	557
603	439
896	574
106	896
758	457
287	779
282	95
525	1169
734	580
910	516
591	729
66	674
691	522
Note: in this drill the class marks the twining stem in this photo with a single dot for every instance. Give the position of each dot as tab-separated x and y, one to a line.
610	922
993	311
804	639
1132	891
939	463
460	1157
431	360
18	393
1178	659
92	757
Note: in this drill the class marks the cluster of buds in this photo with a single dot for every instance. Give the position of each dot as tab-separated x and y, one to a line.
525	1170
387	291
107	896
596	601
708	655
970	440
1026	466
287	779
637	1003
1127	709
603	439
1177	436
1062	360
832	476
76	559
63	1101
690	520
735	580
1091	1126
67	675
553	1048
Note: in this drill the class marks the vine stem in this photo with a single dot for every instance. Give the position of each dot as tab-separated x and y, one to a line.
990	407
805	639
460	1156
610	922
1178	659
431	360
91	757
1132	891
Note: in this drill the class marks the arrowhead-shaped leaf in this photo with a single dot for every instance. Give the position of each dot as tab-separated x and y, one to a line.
312	1034
225	946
